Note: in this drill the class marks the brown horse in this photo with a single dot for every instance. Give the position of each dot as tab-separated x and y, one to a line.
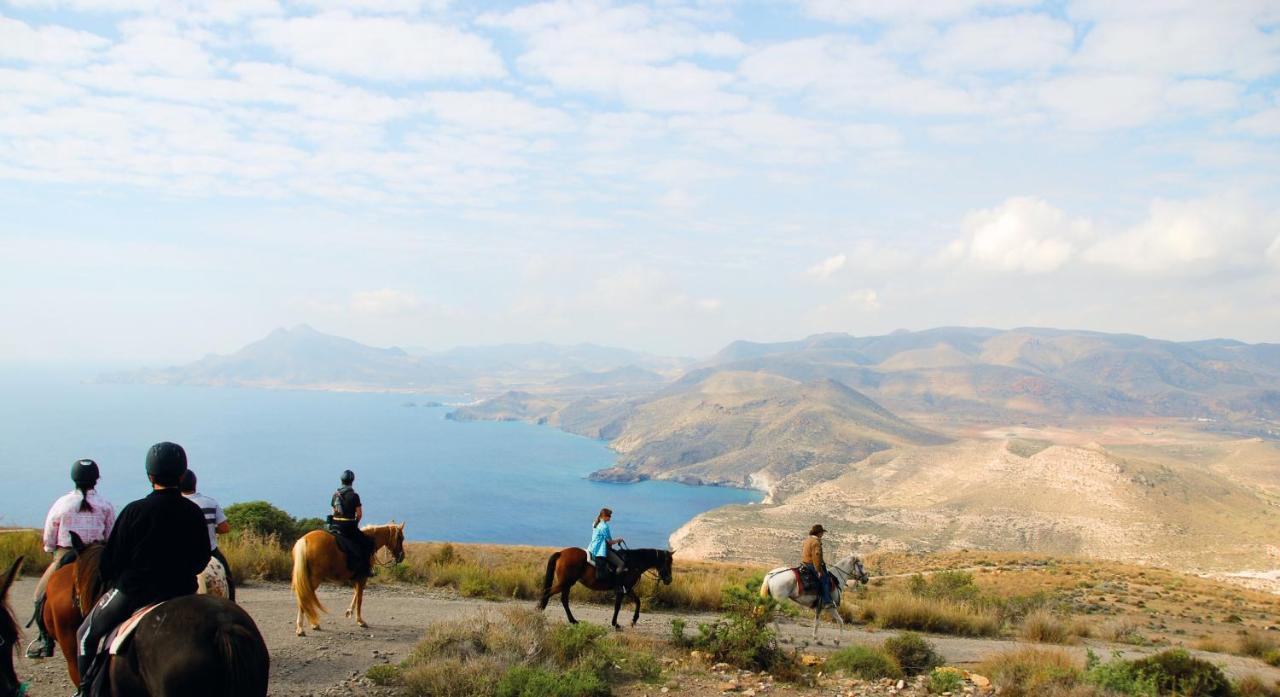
569	566
9	634
193	645
317	558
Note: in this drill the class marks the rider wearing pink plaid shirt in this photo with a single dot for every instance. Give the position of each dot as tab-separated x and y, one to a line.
86	513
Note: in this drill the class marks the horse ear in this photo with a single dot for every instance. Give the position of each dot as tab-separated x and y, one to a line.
76	543
671	553
9	575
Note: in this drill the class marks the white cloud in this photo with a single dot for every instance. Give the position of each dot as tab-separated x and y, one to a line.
827	267
381	48
50	44
1273	252
1027	42
494	110
1200	235
865	298
1263	123
159	47
1203	95
1022	234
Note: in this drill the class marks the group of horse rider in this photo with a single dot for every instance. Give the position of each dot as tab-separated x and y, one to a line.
154	550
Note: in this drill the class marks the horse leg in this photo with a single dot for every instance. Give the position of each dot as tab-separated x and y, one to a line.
359	601
617	605
564	600
636	617
297	628
817	615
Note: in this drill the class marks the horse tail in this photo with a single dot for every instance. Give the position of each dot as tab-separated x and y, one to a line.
303	588
764	586
245	659
548	580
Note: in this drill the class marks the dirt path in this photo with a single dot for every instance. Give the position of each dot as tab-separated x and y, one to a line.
331	661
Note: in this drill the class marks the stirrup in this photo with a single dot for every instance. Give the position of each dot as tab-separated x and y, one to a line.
40	647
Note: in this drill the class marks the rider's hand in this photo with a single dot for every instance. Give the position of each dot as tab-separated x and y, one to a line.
619	541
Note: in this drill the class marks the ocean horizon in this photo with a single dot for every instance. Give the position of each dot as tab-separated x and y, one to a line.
499	482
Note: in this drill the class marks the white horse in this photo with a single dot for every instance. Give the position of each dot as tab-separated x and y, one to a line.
782	583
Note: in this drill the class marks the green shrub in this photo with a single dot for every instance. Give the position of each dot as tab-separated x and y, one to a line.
1272	657
568	643
945	680
1172	672
27	544
913	652
1255	644
265	519
864	662
384	674
528	681
957	586
677	632
742	636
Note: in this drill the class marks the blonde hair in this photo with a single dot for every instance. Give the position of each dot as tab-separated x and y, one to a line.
600	516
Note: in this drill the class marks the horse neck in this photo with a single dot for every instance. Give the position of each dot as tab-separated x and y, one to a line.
642	559
88	576
380	534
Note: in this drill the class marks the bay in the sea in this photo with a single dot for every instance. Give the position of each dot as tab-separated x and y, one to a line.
468	482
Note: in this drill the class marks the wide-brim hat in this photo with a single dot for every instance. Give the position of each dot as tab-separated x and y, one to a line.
817	530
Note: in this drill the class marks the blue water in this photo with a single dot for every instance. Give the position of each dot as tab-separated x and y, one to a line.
469	482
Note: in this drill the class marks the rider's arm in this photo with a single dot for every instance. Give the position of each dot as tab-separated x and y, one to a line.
222	528
51	522
359	513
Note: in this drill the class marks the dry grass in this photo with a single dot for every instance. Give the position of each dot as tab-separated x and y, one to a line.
1256	644
1046	628
26	544
258	557
1033	672
896	610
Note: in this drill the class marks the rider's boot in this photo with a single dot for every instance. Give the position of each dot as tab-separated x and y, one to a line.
42	645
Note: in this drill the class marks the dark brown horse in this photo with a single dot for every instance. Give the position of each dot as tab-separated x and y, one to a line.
569	566
9	685
193	645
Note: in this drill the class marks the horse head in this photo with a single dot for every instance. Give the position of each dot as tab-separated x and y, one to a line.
851	568
395	541
9	685
664	565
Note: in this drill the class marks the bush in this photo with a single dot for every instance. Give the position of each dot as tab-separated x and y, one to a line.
1044	627
913	652
742	636
864	662
1253	686
1272	657
264	519
528	681
956	586
1178	672
677	632
256	556
1031	672
945	680
919	613
569	643
384	674
1255	644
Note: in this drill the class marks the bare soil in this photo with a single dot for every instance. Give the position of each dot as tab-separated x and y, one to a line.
332	661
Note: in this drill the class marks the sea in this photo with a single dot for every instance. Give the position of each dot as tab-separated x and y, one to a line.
501	482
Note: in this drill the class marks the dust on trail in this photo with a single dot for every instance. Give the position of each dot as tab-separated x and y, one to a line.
330	662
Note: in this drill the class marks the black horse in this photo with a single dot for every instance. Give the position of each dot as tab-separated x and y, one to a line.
191	646
9	685
569	566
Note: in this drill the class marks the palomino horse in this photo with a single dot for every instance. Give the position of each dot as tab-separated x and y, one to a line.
191	646
317	558
569	566
66	604
781	583
9	685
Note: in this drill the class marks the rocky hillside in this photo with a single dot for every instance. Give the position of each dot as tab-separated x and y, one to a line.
1143	505
1044	374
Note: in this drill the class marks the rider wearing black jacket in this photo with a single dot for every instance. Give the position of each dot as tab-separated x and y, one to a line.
157	548
345	521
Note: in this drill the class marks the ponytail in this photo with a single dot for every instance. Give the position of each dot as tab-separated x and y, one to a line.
603	512
84	497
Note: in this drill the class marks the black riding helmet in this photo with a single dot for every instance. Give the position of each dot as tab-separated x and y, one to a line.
166	462
348	477
84	473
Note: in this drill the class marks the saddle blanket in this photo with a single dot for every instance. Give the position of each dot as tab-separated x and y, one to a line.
120	635
808	580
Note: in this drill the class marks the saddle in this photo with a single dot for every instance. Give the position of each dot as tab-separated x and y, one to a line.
357	554
808	579
113	645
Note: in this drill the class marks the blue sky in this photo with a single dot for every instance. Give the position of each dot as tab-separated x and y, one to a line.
182	177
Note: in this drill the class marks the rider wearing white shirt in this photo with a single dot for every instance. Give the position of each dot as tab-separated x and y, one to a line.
215	519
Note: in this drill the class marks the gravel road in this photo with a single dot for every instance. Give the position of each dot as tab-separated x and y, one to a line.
331	661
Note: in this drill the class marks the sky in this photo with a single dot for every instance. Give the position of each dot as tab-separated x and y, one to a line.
179	177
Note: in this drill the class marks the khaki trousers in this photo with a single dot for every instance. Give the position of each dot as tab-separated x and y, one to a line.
58	554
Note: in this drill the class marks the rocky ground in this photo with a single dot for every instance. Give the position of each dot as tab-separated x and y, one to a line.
332	661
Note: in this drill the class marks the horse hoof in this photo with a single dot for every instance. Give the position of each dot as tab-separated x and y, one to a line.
299	632
363	625
315	627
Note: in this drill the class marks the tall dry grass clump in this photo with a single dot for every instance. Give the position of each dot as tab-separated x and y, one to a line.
1045	627
896	610
1032	672
256	556
27	544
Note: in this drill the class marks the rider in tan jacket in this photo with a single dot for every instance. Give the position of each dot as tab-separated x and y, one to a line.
811	556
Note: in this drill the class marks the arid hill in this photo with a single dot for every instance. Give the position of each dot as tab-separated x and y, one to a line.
1134	504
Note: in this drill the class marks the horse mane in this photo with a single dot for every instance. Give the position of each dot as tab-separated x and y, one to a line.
89	584
646	555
